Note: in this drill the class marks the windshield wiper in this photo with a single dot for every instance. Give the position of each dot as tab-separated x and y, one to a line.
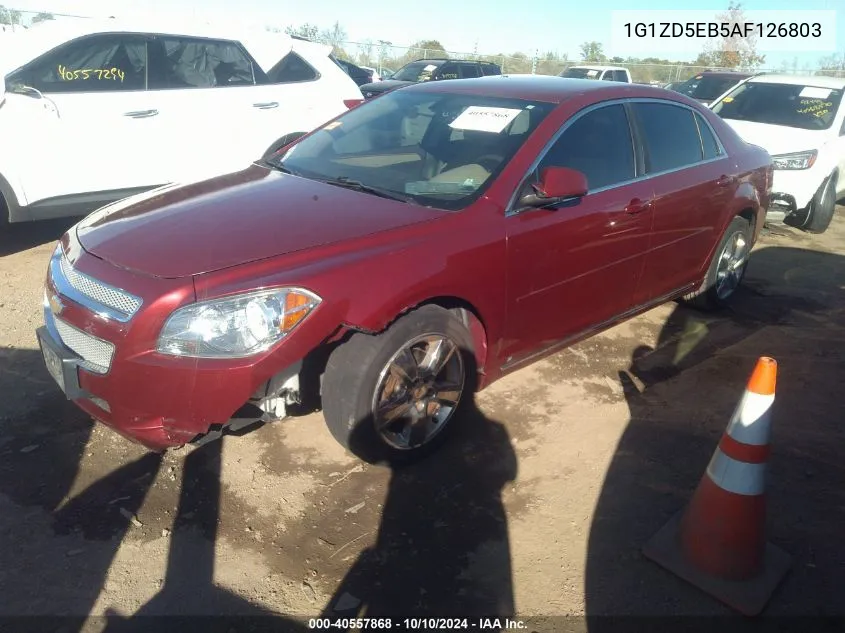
356	185
278	166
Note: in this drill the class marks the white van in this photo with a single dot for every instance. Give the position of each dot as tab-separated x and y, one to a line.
601	73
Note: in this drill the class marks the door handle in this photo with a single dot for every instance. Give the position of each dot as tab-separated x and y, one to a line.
638	206
726	181
141	114
266	106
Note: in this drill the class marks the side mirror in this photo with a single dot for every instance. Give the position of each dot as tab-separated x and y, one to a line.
557	184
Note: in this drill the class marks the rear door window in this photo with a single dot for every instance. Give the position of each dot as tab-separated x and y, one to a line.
620	75
447	71
183	62
469	71
709	143
670	135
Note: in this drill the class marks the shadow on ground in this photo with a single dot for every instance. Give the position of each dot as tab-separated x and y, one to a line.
681	395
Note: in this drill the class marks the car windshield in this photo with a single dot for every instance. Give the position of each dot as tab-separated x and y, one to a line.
790	105
581	73
706	87
429	148
416	71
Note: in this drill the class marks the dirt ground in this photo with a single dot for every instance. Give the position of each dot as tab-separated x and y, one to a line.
538	506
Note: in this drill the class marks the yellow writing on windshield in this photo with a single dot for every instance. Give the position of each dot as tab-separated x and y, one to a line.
112	74
815	107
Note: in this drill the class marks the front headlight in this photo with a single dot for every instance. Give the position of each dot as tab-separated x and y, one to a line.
237	326
798	160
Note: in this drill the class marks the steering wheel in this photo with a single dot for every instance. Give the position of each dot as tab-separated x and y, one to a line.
489	161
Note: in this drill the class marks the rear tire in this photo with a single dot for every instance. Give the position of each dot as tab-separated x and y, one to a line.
727	268
381	400
817	216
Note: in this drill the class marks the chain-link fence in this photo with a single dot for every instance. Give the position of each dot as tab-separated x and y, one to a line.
387	56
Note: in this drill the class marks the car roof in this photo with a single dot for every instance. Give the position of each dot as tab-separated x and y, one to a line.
722	73
441	60
267	48
599	67
551	89
819	81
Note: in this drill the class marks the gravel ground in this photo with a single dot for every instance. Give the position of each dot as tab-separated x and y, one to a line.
539	506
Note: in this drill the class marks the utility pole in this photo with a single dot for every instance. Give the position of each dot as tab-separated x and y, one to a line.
534	62
382	47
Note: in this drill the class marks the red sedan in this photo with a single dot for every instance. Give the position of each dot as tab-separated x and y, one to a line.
416	248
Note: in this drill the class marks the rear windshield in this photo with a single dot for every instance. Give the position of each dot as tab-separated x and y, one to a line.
804	107
416	71
706	88
581	73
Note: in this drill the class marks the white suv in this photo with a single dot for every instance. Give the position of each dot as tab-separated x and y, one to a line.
800	121
92	111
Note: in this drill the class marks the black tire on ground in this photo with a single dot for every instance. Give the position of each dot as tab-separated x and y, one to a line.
354	372
288	138
709	296
819	213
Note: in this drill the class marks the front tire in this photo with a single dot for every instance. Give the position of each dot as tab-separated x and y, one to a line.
395	396
817	216
727	268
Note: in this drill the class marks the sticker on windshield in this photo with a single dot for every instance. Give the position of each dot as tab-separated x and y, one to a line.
815	93
483	119
332	125
430	67
727	99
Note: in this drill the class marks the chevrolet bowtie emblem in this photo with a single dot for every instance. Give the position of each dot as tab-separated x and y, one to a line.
56	305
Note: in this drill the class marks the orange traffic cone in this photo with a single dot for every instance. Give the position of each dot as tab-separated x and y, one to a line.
718	542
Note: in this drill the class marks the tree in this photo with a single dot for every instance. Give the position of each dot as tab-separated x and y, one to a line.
308	31
832	66
592	52
335	37
366	52
42	17
9	16
430	48
733	51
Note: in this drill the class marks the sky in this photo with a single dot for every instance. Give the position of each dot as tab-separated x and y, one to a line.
488	27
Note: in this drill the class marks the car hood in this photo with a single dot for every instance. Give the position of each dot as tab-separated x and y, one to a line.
384	86
777	139
257	213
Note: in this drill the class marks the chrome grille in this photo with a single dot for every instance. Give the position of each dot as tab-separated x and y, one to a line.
95	352
118	300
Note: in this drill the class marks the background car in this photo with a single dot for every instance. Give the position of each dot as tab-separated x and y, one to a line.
420	246
601	73
800	120
130	106
358	74
431	70
709	85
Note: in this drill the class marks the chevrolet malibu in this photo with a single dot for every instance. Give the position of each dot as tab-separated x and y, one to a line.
403	255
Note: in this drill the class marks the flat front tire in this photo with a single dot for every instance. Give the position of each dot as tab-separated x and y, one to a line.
817	216
393	397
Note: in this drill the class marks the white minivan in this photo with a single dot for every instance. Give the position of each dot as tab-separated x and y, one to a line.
800	121
92	111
